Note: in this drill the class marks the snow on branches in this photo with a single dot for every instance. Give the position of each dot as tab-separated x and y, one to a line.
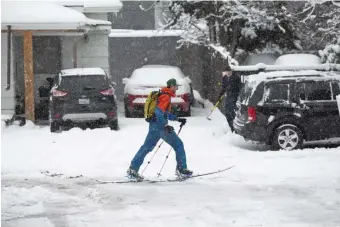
234	25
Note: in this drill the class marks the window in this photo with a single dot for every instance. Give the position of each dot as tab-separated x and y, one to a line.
46	54
78	83
316	91
336	89
276	93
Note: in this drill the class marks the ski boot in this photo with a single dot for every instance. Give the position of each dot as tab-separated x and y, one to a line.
133	175
183	173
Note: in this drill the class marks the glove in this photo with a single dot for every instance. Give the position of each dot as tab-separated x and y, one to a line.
169	128
182	120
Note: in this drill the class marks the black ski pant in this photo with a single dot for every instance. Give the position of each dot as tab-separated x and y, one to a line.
230	107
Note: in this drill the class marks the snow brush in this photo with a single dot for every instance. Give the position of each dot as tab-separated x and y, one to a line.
212	110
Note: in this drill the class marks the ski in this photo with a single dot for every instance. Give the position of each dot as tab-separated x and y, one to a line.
180	179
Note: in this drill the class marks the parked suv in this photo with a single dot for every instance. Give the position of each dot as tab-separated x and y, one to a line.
285	108
82	96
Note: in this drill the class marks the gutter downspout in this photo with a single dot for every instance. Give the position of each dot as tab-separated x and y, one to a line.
9	57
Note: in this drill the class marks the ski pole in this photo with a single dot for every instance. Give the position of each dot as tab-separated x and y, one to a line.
212	110
159	146
166	158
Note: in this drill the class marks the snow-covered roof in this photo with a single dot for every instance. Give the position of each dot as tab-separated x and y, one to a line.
92	5
289	74
261	66
144	33
82	71
34	15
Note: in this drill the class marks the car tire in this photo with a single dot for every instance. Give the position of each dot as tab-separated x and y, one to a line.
114	125
54	126
187	113
287	137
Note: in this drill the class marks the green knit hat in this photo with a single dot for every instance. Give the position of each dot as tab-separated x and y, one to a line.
171	82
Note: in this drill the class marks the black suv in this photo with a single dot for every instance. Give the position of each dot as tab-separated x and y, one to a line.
285	108
82	96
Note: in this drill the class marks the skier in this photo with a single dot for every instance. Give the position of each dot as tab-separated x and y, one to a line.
159	128
231	85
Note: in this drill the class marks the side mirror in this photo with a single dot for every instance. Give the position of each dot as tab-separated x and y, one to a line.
125	80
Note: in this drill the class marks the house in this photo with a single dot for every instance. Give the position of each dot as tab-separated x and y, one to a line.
38	38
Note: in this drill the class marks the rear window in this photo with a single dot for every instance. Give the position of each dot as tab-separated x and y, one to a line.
246	92
276	93
251	93
77	83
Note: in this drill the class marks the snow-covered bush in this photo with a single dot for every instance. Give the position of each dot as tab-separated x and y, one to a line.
331	53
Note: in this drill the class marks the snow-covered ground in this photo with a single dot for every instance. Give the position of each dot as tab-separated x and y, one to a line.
297	188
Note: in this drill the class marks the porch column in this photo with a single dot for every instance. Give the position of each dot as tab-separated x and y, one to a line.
29	80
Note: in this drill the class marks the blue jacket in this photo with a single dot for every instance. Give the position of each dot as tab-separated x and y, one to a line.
162	118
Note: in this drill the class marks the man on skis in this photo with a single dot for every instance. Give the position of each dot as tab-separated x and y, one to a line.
231	85
159	129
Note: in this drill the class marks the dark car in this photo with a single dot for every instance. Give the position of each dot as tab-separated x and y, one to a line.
82	96
284	109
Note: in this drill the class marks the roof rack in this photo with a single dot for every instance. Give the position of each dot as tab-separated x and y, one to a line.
253	69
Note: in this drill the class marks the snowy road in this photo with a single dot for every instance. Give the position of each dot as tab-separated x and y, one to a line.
299	188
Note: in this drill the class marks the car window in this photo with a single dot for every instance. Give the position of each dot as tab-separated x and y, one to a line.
78	83
274	93
336	89
316	91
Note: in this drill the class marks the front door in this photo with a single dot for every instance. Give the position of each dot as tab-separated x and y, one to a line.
319	109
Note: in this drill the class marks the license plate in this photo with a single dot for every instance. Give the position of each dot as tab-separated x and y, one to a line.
84	101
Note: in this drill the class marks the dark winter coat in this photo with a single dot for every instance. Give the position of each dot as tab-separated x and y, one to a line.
231	85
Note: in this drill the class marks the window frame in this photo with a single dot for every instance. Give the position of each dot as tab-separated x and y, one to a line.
304	90
278	102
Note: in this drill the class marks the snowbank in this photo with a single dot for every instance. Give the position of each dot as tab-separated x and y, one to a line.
263	189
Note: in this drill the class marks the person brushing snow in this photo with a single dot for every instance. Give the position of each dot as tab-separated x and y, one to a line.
231	85
159	128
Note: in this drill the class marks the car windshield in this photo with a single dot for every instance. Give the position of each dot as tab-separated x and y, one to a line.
79	83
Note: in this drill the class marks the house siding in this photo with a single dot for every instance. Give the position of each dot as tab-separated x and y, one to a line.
7	96
92	51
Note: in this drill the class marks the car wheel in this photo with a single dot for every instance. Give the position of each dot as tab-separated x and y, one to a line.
54	126
287	137
187	113
114	125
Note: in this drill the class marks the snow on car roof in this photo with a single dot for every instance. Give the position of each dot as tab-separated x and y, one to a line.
298	59
262	66
156	75
281	75
82	71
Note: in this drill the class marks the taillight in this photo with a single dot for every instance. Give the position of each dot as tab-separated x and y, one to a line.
131	98
251	114
185	97
57	93
107	92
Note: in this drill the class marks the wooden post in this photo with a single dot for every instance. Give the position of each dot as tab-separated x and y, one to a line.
29	79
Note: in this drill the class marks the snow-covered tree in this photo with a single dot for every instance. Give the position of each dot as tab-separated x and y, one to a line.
331	54
235	26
